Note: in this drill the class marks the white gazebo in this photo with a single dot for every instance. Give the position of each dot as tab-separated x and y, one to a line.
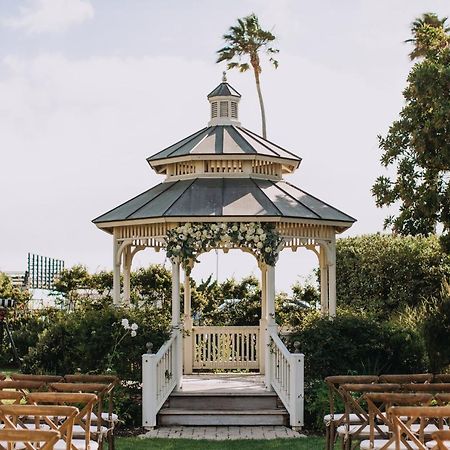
224	188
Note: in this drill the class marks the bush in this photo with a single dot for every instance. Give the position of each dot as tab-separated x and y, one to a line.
352	344
93	340
385	273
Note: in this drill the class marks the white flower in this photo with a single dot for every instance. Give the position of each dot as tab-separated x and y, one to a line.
223	226
134	326
125	324
178	247
263	237
268	249
242	228
182	237
259	245
214	227
234	228
198	235
256	238
133	334
179	230
260	231
251	231
240	237
247	237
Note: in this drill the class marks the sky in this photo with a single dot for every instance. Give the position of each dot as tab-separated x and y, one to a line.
90	88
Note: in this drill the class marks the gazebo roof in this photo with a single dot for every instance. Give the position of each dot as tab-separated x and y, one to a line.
224	90
226	140
226	197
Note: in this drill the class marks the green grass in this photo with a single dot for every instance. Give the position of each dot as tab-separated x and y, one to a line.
310	443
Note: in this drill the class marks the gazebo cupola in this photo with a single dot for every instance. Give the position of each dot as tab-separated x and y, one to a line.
224	100
224	147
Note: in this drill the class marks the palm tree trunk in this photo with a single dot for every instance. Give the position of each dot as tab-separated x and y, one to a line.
261	105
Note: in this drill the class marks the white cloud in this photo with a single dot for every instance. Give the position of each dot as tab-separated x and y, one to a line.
41	16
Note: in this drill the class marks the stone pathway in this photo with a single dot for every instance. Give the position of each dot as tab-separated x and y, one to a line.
222	433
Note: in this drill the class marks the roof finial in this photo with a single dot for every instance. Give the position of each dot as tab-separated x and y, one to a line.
224	76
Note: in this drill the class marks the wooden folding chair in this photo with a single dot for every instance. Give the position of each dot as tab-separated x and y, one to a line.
53	418
335	419
380	424
101	431
442	440
407	378
30	439
108	416
355	403
39	378
82	422
422	422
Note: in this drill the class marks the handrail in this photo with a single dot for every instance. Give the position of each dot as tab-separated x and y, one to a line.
286	377
159	378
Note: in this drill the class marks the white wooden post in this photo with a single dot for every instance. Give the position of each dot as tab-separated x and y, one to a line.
296	400
149	381
263	322
178	369
127	255
271	324
187	338
116	270
331	253
323	280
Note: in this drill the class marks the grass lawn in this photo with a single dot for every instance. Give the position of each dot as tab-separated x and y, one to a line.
310	443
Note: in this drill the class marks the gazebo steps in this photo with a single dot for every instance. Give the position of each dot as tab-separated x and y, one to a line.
223	408
222	417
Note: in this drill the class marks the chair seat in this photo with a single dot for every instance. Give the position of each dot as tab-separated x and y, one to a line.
380	443
337	417
105	416
80	444
432	444
365	432
79	430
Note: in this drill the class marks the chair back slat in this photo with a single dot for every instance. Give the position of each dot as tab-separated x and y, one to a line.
39	378
442	439
407	378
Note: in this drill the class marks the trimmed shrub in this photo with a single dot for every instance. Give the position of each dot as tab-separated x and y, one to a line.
385	273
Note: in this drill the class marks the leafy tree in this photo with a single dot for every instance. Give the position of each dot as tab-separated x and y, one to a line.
153	285
71	281
7	290
246	40
418	143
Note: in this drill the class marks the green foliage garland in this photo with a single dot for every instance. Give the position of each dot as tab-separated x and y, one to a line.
191	239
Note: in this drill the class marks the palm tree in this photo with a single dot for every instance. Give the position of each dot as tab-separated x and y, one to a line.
247	39
421	39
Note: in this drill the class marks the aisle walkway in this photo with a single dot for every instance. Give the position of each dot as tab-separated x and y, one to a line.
222	433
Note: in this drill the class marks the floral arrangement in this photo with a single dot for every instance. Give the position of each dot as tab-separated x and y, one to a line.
191	239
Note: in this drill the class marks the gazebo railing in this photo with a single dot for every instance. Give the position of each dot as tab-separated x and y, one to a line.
225	347
159	378
286	377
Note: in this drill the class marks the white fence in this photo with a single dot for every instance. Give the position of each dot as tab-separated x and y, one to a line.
225	347
286	376
160	374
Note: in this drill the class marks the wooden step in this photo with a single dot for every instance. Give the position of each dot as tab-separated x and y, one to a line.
223	401
211	417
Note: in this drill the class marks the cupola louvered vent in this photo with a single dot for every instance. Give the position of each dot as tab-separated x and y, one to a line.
213	110
223	109
234	113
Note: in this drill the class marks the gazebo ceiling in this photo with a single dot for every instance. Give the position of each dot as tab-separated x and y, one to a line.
225	197
225	141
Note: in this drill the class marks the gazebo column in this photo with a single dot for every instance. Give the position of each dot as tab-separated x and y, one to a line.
270	317
331	260
116	270
187	339
323	280
263	320
127	258
178	369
